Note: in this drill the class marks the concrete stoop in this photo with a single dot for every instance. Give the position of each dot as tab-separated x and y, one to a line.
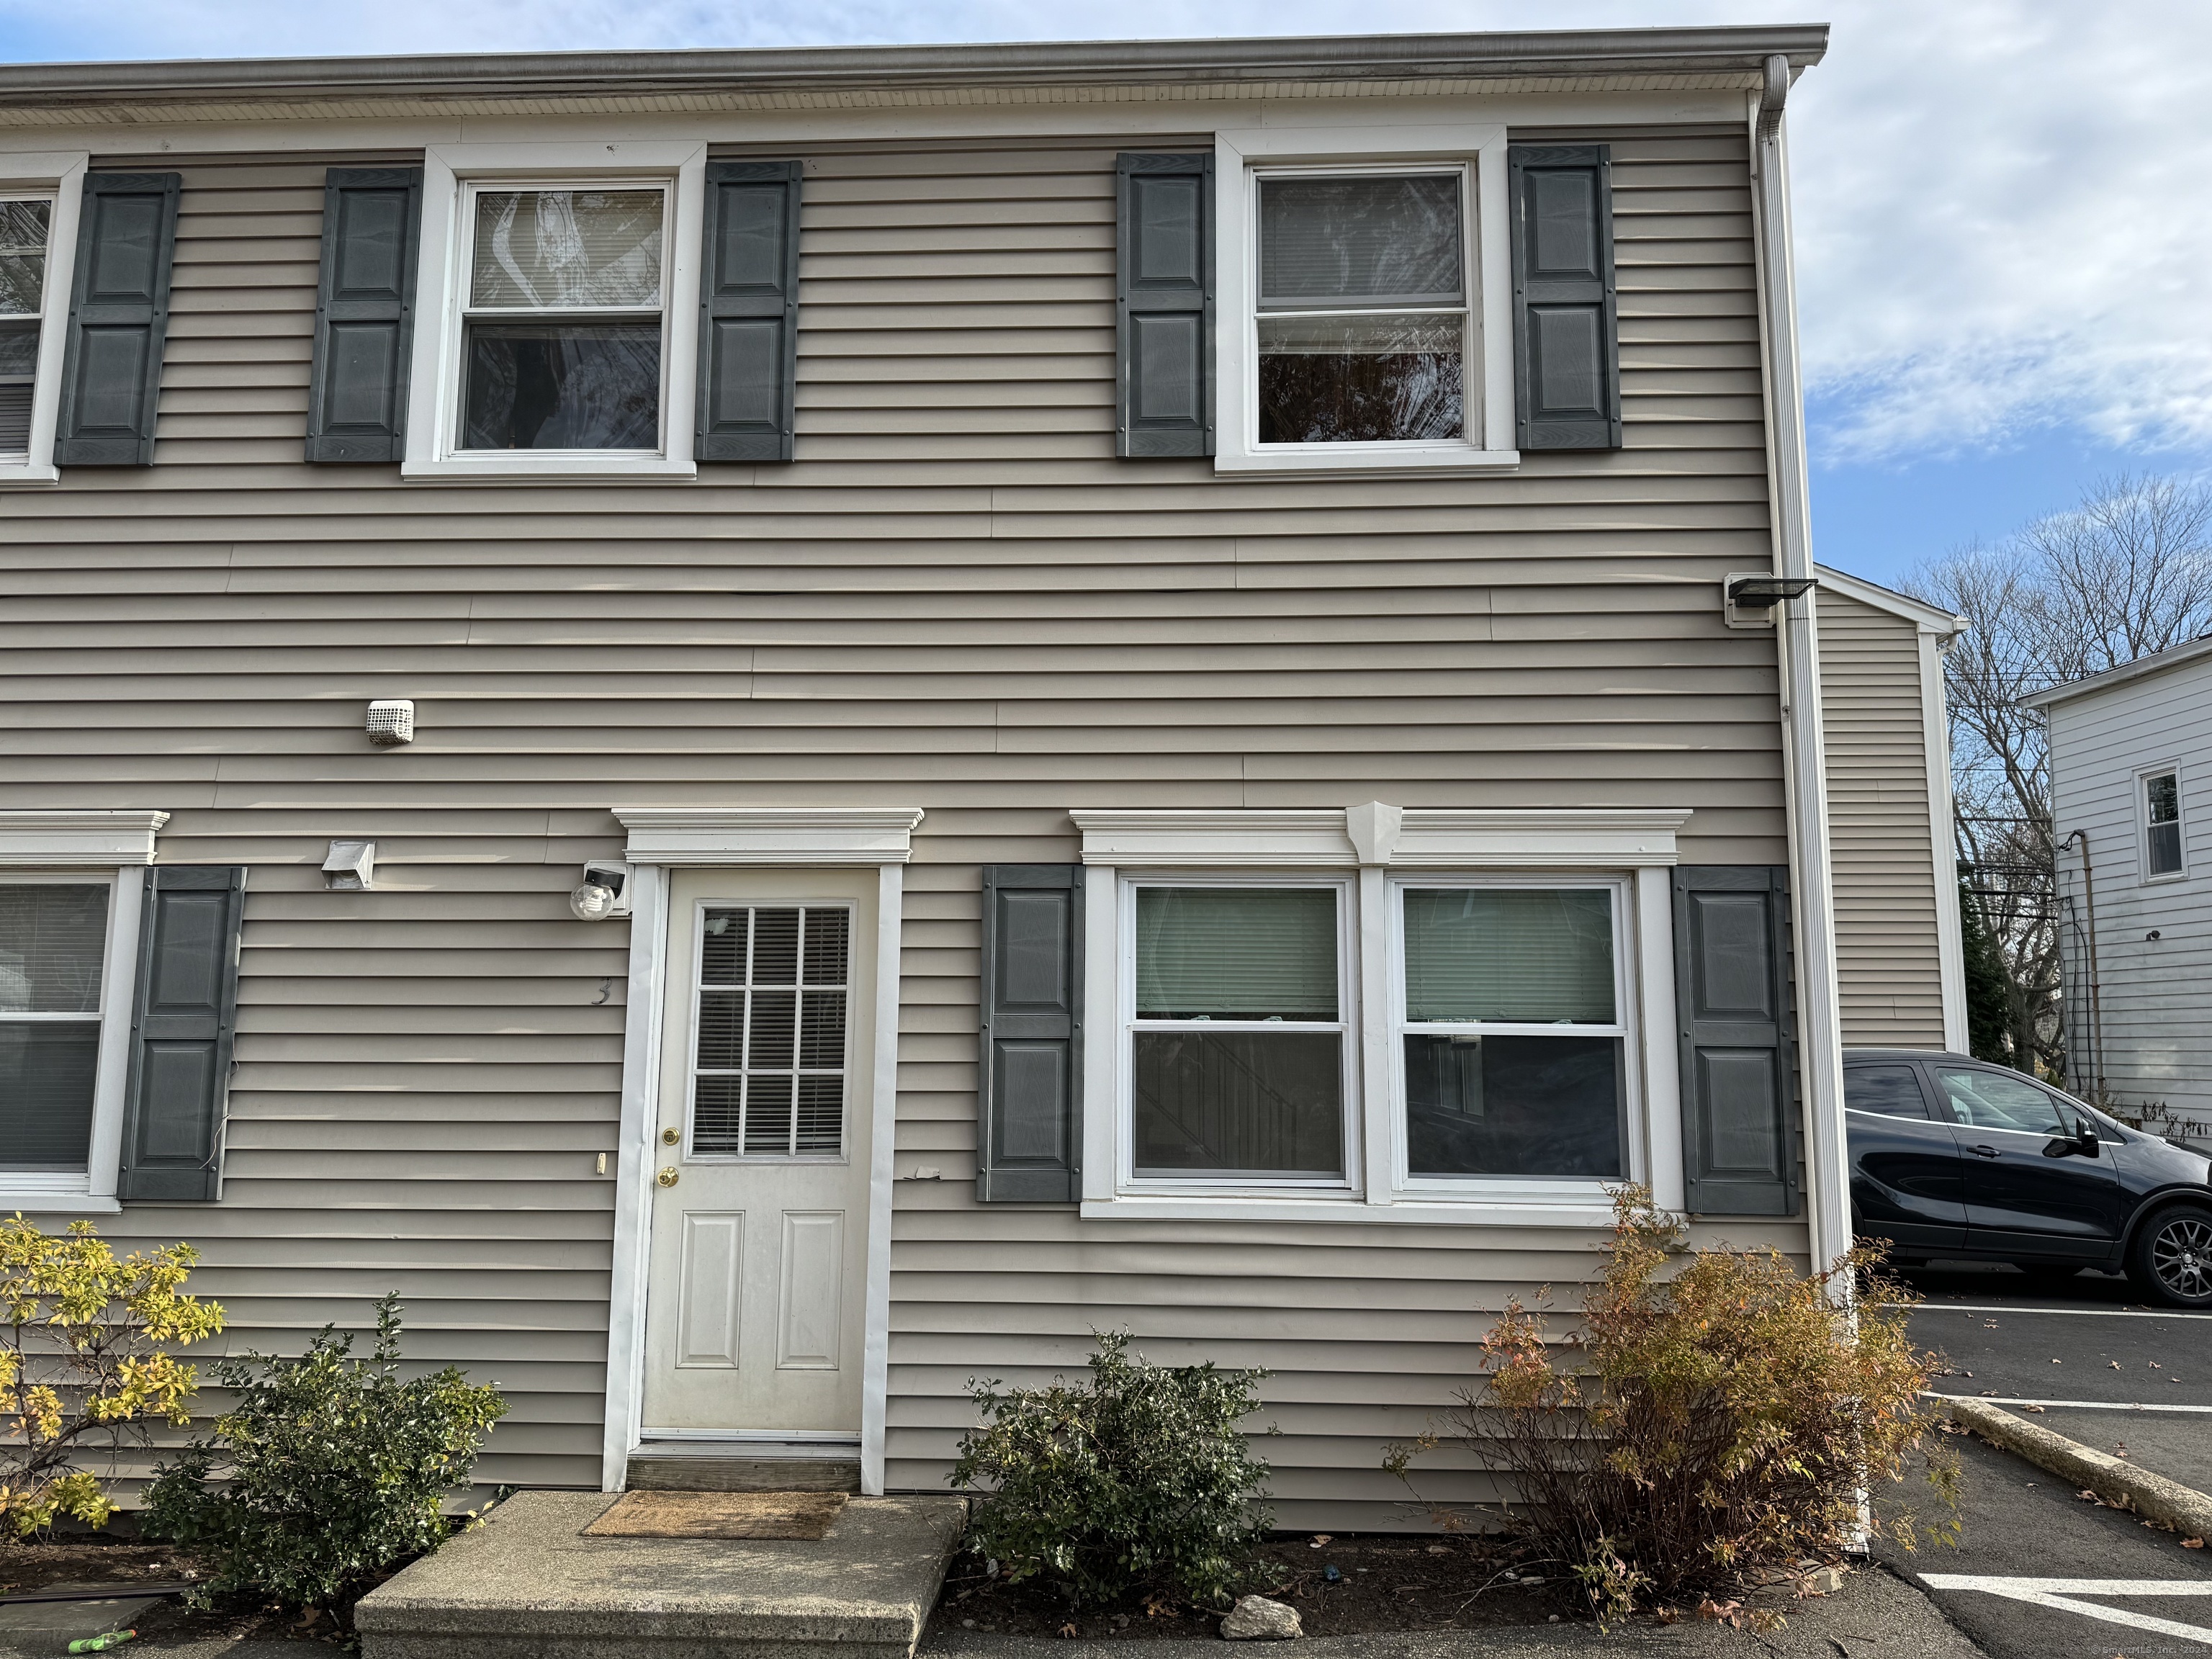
527	1585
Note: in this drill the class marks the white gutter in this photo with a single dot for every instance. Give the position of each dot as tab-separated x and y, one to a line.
1812	885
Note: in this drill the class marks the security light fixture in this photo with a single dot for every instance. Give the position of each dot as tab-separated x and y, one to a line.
350	867
604	892
1764	593
391	721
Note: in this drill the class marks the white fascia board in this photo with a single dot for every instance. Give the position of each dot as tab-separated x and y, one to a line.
62	838
2179	656
1415	838
1928	618
829	835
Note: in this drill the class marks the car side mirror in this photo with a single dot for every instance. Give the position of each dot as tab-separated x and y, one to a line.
2085	1139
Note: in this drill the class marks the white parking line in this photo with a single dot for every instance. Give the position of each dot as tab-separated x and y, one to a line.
2072	1405
2093	1313
2060	1593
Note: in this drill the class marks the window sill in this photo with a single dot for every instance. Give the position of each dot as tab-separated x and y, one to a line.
1405	1211
49	1202
22	474
1338	459
549	469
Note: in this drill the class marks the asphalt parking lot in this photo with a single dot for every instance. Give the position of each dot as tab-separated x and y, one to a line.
2040	1574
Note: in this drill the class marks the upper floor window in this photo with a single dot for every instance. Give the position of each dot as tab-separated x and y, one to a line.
561	338
1362	308
26	226
2162	823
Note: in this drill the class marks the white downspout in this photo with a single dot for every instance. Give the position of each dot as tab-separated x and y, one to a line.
1819	1030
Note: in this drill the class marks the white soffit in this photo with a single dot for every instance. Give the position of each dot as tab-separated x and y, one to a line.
1411	838
78	837
808	835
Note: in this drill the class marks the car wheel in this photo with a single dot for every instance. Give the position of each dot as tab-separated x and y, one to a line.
2170	1258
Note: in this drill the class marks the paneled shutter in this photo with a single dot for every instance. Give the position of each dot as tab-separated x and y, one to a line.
1164	305
1027	1145
118	318
183	1022
1566	328
749	312
364	313
1732	1001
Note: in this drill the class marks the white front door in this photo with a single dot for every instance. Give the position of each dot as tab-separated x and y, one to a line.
755	1305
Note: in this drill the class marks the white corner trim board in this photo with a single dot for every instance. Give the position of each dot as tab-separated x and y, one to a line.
807	835
1398	838
62	838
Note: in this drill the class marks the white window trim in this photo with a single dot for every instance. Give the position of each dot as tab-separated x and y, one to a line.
62	173
433	382
2143	775
1239	157
1635	847
1348	1022
92	1193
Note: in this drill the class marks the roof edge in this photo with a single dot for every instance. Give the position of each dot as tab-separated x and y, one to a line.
1933	618
2175	656
1326	58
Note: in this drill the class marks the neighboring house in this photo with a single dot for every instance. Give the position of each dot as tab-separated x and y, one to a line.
1901	961
1133	639
2131	813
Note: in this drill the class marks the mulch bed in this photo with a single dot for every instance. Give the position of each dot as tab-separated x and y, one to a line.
1381	1583
127	1564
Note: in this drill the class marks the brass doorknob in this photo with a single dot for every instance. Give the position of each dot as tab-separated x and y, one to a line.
669	1137
666	1177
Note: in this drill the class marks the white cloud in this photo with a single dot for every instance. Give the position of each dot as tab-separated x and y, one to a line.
2001	209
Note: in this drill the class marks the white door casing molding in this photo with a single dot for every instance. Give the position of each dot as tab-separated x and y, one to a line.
737	837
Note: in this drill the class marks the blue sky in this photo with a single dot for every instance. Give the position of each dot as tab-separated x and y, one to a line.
2001	227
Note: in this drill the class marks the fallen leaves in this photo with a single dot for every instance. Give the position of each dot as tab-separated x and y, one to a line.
2035	1410
1068	1629
2192	1543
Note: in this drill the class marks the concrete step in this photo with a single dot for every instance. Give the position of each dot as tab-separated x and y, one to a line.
527	1585
694	1471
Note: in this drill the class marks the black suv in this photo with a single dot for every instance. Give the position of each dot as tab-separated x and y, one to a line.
1952	1157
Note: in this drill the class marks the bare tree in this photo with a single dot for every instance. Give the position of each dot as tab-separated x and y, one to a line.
2127	573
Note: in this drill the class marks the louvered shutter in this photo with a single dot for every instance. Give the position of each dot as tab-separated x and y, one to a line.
1733	1003
184	1020
1028	1142
118	318
1164	305
364	313
749	312
1566	330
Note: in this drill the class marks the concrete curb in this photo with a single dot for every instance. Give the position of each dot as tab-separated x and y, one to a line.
2116	1480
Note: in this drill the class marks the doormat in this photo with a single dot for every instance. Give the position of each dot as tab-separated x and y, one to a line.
803	1517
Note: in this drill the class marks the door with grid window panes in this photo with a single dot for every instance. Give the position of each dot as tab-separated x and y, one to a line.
754	1307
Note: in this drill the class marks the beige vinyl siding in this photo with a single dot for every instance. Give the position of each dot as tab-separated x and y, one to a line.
1890	978
956	598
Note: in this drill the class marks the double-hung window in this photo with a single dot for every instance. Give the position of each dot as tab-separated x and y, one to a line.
2161	810
1238	1037
563	319
26	229
40	196
54	965
1362	316
1510	1032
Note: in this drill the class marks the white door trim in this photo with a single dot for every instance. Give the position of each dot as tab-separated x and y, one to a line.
793	838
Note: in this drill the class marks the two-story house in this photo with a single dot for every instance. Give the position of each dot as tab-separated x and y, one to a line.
781	728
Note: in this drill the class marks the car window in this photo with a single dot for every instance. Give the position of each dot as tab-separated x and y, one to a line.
1891	1090
1989	1100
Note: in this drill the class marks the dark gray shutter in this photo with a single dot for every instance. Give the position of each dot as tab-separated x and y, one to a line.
1733	1002
749	312
118	318
364	313
183	1018
1028	1144
1164	305
1566	325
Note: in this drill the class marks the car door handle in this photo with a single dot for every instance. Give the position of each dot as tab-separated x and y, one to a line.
1985	1151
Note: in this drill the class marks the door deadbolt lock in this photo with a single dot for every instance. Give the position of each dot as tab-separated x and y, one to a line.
666	1178
669	1137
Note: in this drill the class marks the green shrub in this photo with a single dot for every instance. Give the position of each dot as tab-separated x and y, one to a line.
1142	1480
326	1471
1704	1428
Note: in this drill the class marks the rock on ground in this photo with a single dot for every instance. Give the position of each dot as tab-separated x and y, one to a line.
1255	1619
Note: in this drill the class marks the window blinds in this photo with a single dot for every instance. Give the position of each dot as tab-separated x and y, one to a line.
1510	954
1236	953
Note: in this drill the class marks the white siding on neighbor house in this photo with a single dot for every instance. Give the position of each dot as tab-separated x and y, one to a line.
2154	995
956	598
1888	961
